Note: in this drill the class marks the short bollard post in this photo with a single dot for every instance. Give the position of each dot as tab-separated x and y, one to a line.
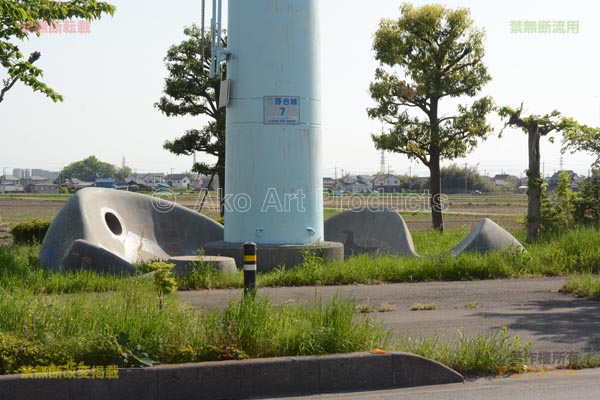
249	268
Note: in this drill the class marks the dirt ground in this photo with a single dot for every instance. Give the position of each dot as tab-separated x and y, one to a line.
461	211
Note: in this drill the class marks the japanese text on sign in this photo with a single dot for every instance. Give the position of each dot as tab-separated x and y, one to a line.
281	110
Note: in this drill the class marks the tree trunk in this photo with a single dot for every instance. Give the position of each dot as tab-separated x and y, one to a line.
435	191
435	185
534	183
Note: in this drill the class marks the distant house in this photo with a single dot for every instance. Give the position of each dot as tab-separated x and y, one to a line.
9	180
386	183
575	180
355	184
178	180
133	185
196	181
329	183
108	183
211	186
78	184
30	181
154	178
506	180
47	188
10	184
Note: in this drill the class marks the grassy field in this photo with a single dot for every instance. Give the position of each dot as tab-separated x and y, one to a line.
50	317
84	319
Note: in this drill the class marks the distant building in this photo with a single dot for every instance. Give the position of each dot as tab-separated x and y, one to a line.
154	178
78	184
506	180
178	180
9	179
10	184
196	181
21	173
46	188
108	183
355	184
50	175
575	180
27	183
137	185
7	188
386	183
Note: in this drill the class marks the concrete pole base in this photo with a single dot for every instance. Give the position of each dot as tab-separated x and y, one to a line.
271	256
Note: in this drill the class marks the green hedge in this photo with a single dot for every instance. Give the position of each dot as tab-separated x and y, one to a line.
32	231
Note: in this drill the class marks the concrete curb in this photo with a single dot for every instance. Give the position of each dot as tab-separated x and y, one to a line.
267	377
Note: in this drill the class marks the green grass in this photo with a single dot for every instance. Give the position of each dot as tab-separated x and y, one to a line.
583	285
53	197
557	255
486	353
590	360
127	327
94	328
50	317
19	269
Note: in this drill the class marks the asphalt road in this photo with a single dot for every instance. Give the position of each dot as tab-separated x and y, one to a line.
556	385
533	309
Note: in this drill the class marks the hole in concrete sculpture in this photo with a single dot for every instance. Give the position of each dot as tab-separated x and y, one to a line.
113	223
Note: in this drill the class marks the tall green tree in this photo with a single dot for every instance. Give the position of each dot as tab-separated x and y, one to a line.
537	126
88	170
122	173
21	18
586	139
440	53
189	91
457	179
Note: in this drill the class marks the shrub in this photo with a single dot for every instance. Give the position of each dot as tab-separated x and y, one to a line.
557	213
164	282
16	352
587	205
30	232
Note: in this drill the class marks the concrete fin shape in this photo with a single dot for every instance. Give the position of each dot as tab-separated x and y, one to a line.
365	231
108	230
487	236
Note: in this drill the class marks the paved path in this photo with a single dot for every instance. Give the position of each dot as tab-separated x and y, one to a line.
531	308
573	385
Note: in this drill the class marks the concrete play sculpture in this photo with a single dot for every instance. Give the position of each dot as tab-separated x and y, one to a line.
370	231
487	236
108	230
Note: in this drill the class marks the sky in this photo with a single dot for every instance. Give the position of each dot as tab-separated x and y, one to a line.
112	76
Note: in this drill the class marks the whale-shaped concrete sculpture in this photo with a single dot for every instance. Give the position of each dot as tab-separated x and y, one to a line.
109	230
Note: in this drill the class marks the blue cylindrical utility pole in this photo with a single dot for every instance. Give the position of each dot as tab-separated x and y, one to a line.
273	190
